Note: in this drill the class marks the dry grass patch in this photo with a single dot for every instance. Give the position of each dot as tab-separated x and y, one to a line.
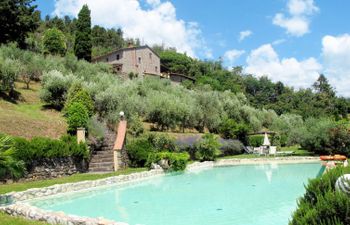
28	118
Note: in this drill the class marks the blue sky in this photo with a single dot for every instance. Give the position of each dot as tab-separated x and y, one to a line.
287	40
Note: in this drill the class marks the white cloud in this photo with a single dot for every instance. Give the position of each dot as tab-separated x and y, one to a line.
298	22
336	59
231	56
153	2
156	25
302	7
278	41
244	34
265	61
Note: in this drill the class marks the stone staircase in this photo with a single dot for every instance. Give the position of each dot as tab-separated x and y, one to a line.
102	159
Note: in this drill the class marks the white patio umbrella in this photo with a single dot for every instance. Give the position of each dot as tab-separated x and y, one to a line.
266	140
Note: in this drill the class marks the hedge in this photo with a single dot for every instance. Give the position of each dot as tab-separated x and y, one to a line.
177	161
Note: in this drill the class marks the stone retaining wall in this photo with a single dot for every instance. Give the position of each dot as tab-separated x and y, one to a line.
52	168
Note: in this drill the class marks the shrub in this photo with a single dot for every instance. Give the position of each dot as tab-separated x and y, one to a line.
324	136
79	151
54	42
138	151
228	128
255	140
77	116
161	142
55	87
41	147
177	161
10	167
96	128
77	94
135	125
9	71
208	147
231	147
322	204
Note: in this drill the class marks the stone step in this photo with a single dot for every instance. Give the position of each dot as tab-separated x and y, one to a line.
98	153
101	170
103	156
101	164
100	160
109	167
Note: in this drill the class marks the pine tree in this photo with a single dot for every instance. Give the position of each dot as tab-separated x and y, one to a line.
322	86
17	19
83	43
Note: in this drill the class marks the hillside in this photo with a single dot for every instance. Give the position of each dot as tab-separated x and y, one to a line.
28	118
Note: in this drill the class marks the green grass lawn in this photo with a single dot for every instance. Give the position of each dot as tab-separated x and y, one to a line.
22	186
11	220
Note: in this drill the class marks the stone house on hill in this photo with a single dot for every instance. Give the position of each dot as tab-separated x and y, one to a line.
138	60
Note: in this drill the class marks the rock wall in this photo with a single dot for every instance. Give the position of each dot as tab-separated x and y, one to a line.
122	158
52	168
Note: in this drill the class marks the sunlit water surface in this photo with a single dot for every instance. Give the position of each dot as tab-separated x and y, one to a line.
245	195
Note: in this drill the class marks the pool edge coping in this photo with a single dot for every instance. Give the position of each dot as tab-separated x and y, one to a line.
20	208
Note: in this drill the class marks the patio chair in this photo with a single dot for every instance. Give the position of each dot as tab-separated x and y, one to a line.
248	149
272	150
257	150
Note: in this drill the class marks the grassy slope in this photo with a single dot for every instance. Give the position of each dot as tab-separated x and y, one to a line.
28	118
5	188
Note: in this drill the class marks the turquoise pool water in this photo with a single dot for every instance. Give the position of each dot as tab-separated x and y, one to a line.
246	195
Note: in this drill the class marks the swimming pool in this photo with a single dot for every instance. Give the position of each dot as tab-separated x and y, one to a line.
247	194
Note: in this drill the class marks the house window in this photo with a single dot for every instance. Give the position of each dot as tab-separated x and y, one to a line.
118	57
150	55
156	68
139	60
117	68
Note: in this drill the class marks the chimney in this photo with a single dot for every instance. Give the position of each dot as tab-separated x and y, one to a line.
130	45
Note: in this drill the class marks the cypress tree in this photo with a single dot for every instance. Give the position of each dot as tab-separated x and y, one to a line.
83	43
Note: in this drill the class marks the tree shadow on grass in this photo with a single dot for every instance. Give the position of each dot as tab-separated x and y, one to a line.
12	97
51	107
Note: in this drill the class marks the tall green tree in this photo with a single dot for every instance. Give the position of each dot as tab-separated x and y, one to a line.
17	19
325	95
322	86
54	42
83	42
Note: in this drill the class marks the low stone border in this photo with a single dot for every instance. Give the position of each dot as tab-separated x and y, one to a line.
235	162
13	197
19	208
279	160
33	213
